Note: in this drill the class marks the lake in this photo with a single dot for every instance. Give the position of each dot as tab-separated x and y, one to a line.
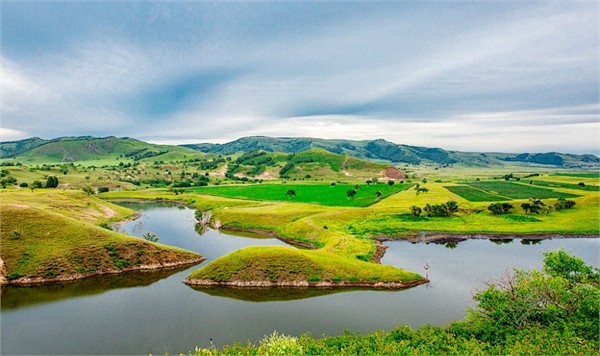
154	312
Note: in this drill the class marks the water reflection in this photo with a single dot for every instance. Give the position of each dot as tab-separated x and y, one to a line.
269	294
20	296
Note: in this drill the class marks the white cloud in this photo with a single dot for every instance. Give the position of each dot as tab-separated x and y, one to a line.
467	77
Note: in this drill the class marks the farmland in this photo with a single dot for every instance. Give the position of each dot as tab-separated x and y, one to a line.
519	191
323	194
473	194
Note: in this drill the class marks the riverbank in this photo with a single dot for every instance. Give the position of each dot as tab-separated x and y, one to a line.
304	284
78	276
447	237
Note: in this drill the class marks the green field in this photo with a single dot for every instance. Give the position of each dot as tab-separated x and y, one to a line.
519	191
579	175
473	194
324	194
589	188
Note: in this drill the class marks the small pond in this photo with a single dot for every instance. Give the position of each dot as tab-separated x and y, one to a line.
154	312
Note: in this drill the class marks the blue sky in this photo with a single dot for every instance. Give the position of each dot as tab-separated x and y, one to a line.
473	76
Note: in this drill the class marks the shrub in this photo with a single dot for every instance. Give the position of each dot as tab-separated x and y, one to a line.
500	208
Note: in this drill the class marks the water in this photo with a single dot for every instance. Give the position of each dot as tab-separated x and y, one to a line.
142	312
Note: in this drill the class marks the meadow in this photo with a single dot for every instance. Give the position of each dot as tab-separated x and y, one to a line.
323	194
518	190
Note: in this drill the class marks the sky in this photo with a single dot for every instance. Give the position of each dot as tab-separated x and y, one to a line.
469	76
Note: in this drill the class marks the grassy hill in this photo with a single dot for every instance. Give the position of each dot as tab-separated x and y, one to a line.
384	150
53	236
87	148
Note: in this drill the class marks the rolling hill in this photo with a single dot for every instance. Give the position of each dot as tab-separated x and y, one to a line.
73	149
388	151
87	148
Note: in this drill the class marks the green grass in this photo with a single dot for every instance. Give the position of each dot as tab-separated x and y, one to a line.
323	194
288	265
580	175
473	194
519	191
590	188
61	241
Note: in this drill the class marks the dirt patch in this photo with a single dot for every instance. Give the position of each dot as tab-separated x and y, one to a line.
108	212
220	173
266	176
392	173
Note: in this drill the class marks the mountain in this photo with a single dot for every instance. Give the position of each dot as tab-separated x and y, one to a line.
84	148
388	151
73	149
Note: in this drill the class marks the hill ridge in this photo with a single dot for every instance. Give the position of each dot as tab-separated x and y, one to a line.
379	150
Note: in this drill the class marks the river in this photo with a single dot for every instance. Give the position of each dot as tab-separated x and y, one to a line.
154	312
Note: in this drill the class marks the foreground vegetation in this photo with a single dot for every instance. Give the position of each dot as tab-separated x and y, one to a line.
553	311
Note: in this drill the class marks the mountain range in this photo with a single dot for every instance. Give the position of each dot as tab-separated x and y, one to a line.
72	149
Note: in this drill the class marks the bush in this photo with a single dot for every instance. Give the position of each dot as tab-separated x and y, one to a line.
500	208
52	182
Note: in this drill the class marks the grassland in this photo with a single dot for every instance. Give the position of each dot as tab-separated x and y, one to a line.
53	235
342	230
345	236
324	194
474	194
519	191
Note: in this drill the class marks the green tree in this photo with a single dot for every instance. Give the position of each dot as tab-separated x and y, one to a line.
52	182
500	208
290	193
351	193
415	210
150	236
88	190
391	182
564	297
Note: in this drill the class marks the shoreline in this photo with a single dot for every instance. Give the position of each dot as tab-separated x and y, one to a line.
269	233
304	284
75	277
444	237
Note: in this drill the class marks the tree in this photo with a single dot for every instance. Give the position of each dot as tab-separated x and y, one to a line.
451	207
52	182
563	297
290	193
500	208
351	193
562	203
415	211
36	185
378	193
368	182
421	190
391	182
88	190
526	207
581	184
356	186
150	236
24	185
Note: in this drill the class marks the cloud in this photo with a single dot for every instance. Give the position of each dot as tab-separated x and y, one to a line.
411	73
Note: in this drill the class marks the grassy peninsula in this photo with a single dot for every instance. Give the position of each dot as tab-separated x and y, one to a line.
55	236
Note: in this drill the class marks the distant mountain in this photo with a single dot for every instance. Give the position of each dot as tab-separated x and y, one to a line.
72	149
83	148
388	151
